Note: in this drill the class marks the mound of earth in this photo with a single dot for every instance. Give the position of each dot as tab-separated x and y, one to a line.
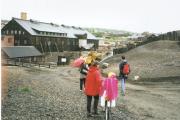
53	94
155	96
156	59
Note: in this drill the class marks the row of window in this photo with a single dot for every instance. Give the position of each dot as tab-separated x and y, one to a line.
56	40
62	43
49	42
18	42
19	32
13	32
54	34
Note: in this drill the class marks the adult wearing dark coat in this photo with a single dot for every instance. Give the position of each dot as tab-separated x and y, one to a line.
122	75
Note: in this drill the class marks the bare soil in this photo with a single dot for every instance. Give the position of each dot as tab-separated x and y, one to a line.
53	94
156	95
4	83
50	94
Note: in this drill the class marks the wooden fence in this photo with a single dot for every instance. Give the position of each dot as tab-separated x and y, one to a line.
30	64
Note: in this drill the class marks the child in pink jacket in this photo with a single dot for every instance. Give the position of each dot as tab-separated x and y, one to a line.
109	89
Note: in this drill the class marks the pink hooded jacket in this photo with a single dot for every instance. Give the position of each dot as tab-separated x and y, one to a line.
110	85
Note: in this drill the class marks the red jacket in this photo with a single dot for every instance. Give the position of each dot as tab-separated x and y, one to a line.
93	81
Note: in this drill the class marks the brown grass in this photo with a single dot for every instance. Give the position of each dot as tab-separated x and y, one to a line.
4	82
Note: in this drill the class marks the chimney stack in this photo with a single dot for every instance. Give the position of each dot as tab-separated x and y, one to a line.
23	15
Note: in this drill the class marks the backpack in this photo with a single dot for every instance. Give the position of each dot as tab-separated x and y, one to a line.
126	69
83	69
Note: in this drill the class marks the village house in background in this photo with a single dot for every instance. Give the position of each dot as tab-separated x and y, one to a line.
56	41
48	37
26	54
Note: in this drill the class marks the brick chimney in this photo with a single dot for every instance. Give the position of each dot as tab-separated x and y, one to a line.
23	15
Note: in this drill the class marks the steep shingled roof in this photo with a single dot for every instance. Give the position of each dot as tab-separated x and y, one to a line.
32	26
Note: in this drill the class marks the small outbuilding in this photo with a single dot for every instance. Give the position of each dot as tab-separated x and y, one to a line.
21	54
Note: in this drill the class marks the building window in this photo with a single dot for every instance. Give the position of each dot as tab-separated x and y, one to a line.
74	43
19	32
62	43
37	41
7	32
2	38
15	32
15	41
68	42
25	42
12	32
9	40
23	32
42	33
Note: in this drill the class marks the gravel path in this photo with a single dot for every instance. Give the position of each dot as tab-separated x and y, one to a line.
51	94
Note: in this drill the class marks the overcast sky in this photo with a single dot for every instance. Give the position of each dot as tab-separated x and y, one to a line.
132	15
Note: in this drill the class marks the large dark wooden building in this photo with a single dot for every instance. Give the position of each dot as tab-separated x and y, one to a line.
48	37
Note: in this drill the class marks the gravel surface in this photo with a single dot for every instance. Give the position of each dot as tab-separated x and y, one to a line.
51	94
156	95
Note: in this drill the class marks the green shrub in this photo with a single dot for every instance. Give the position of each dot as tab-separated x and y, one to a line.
24	89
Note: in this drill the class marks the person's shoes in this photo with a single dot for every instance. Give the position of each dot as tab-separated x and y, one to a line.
80	90
95	113
89	115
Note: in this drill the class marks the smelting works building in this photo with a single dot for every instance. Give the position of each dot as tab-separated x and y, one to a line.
49	37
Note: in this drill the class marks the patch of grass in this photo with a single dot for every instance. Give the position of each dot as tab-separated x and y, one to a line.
24	89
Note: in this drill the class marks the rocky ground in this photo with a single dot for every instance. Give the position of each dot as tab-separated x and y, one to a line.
53	94
156	95
50	94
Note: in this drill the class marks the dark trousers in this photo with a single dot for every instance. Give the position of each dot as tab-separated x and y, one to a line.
82	83
89	99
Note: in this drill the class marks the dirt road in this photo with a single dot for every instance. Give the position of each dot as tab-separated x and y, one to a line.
159	100
50	94
53	94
